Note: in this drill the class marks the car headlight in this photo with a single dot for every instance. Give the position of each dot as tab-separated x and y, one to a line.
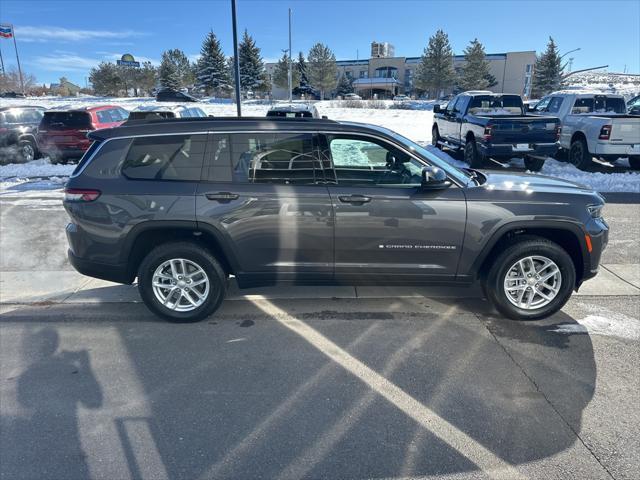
595	210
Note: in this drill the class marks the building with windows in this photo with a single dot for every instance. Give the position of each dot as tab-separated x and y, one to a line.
383	75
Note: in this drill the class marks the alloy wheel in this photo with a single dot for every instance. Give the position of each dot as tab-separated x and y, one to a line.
532	282
180	284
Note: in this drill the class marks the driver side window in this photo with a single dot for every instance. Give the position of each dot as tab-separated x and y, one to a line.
362	162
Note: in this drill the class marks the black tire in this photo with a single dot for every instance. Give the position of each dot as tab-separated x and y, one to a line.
194	253
579	153
435	136
634	162
472	156
493	282
27	151
533	164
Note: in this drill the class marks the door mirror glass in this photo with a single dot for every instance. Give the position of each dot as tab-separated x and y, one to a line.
434	178
436	108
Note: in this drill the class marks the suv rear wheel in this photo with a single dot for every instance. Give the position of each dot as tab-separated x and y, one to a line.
181	282
530	279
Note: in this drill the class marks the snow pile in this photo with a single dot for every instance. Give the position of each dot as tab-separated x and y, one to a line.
35	168
603	322
602	182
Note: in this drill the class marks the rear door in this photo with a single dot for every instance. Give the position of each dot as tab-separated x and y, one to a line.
387	228
262	198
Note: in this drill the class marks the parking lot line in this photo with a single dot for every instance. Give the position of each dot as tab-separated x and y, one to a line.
486	460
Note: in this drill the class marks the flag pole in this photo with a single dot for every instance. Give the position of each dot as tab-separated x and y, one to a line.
1	61
236	60
15	45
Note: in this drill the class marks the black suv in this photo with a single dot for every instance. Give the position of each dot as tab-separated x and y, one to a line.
18	133
184	204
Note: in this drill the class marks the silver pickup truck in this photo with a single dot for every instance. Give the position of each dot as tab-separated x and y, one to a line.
594	125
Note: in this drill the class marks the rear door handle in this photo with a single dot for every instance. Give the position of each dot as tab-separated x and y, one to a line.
354	199
222	197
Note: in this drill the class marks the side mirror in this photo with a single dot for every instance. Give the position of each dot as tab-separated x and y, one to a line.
434	178
436	108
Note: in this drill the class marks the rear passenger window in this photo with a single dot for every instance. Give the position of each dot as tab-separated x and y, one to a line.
281	158
104	116
174	157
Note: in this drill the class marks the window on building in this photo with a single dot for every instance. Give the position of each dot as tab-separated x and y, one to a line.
386	72
348	74
364	74
174	157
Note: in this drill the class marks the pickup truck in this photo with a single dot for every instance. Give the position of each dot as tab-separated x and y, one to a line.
594	125
486	124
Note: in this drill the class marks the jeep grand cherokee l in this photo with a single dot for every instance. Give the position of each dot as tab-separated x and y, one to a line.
183	204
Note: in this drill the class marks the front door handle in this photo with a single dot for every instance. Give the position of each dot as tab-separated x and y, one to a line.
354	199
222	197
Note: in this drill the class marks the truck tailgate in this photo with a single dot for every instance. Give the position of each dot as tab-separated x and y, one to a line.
625	130
528	129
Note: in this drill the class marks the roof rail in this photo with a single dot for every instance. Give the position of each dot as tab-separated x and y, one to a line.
151	121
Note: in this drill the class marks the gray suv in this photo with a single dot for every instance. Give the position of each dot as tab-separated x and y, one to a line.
183	204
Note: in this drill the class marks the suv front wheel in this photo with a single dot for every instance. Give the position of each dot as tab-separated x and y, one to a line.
530	279
181	282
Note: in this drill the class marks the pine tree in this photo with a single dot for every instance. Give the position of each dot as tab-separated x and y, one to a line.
168	72
253	76
475	72
302	70
212	69
183	67
105	79
281	73
435	71
547	74
345	85
322	69
146	77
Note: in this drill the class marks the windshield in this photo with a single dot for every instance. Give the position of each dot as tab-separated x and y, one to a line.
460	175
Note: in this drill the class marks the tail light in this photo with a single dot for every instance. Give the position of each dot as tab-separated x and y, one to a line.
605	132
80	195
558	132
488	132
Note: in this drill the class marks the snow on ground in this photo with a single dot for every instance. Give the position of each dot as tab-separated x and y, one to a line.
602	321
414	124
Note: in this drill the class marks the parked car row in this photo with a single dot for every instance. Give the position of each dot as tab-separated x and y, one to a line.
29	132
580	125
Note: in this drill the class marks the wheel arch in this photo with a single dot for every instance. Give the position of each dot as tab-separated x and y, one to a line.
148	235
569	236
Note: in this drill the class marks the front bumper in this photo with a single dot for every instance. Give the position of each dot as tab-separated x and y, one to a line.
512	150
598	232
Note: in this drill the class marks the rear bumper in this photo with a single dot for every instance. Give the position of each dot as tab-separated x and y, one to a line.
622	150
511	150
63	151
112	273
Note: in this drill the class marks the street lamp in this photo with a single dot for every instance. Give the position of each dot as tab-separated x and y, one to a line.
570	51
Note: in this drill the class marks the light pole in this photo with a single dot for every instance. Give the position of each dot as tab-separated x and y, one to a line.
570	51
289	81
236	60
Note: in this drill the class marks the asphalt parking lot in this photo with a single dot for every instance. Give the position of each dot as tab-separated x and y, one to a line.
310	383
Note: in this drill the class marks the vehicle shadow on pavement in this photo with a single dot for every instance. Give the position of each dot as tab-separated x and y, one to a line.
349	388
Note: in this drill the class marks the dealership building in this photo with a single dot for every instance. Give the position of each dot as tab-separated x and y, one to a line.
384	75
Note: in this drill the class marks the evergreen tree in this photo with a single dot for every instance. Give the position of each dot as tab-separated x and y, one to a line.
345	85
168	72
106	79
182	66
212	68
435	71
302	70
547	74
281	73
253	76
146	77
475	72
322	70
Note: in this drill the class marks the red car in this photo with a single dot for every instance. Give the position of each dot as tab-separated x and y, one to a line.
63	133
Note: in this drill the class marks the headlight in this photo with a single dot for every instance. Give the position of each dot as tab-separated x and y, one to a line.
595	210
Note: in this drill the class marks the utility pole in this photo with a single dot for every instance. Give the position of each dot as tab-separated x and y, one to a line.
236	59
2	62
290	61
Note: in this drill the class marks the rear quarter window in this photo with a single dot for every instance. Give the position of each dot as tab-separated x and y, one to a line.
172	158
103	160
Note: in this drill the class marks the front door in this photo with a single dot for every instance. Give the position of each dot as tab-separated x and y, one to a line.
389	230
261	195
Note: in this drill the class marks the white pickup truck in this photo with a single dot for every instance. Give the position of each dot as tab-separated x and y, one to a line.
594	125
